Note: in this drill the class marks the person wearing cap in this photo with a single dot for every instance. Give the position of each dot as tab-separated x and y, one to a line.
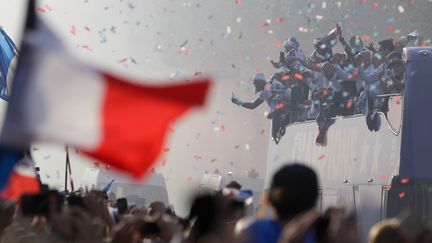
276	96
385	47
292	48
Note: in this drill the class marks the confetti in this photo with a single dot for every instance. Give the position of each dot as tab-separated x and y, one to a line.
401	9
298	76
398	100
402	194
349	104
279	20
228	30
321	157
189	178
280	106
73	30
164	162
405	180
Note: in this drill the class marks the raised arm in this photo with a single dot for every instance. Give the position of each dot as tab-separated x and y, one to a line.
247	105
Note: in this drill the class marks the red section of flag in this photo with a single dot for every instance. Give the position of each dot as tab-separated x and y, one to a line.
19	185
136	119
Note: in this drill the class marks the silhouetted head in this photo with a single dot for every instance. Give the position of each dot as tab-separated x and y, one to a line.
294	189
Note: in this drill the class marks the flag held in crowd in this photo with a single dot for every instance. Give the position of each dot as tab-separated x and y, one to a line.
17	175
115	120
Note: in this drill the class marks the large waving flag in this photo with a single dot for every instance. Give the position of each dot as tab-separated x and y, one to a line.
122	123
8	54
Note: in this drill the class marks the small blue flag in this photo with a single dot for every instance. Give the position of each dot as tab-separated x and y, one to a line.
108	186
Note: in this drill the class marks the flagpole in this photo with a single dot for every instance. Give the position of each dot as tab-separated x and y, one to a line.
66	167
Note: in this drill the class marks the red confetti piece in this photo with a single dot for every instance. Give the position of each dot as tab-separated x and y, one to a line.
222	128
391	28
237	2
265	24
363	1
278	45
374	5
366	38
123	60
349	104
200	39
355	73
279	20
298	76
325	92
286	77
189	178
405	180
164	162
321	157
383	177
280	106
402	194
73	30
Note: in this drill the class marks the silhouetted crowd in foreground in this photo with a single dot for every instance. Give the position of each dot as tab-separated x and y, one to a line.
287	213
329	84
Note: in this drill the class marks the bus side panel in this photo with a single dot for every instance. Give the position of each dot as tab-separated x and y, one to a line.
353	154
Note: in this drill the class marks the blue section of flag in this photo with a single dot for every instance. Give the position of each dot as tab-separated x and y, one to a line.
8	51
8	160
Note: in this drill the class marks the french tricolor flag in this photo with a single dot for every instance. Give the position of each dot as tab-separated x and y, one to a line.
118	121
18	175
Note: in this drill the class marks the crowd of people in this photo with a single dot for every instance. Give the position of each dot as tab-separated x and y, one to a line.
329	84
287	213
